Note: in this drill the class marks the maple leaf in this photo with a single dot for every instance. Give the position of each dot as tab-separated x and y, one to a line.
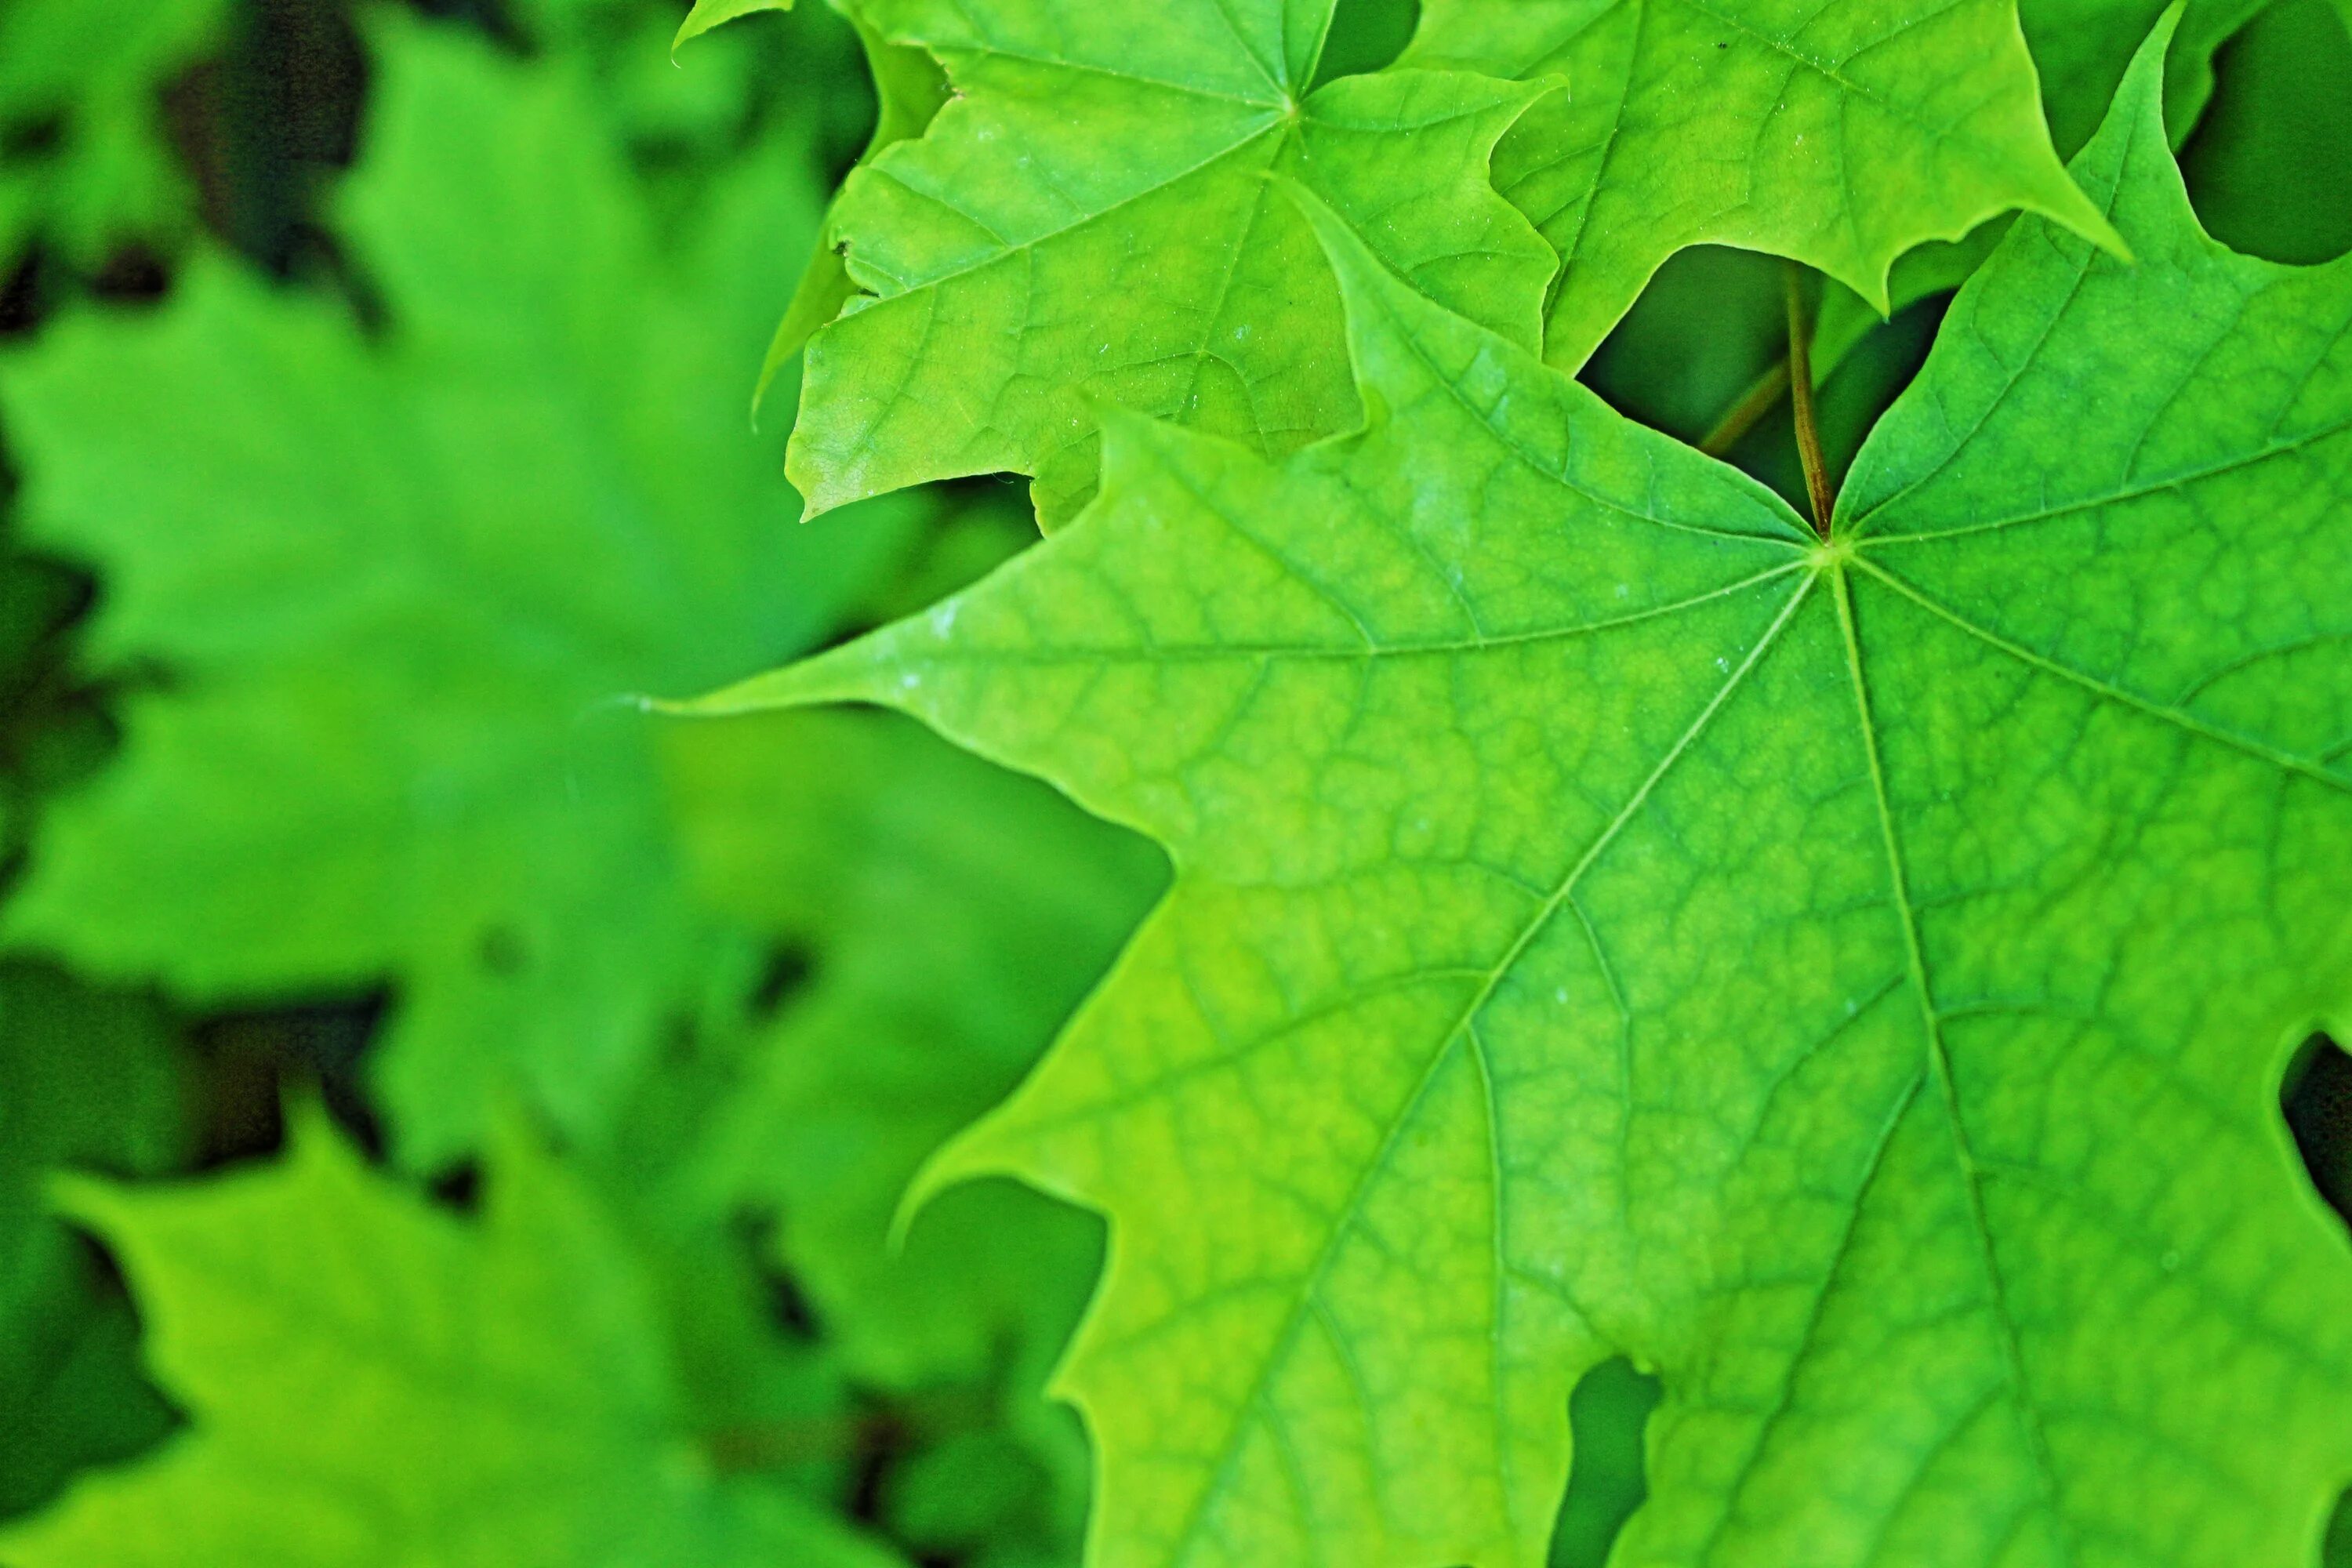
86	73
881	852
908	89
398	586
891	854
2081	48
1088	221
1850	977
1841	136
371	1380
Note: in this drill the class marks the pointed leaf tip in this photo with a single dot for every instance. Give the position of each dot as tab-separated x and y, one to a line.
709	14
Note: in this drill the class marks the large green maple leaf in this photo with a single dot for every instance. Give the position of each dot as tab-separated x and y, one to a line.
1849	977
1841	135
1088	221
396	584
372	1381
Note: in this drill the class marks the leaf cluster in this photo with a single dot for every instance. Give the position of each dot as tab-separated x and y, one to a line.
1732	619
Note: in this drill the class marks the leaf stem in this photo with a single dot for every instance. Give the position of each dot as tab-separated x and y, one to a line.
1742	416
1800	394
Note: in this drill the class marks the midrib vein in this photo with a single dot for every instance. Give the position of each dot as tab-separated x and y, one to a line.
1253	1404
1939	1065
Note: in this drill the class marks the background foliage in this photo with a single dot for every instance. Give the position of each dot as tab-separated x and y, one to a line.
488	1104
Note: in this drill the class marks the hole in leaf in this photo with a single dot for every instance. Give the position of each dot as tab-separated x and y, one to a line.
2317	1100
2265	168
1608	1417
1366	36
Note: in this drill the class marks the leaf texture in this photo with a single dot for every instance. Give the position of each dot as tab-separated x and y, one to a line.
1849	977
1089	223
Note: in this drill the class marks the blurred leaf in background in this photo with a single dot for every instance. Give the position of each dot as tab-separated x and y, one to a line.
370	1380
377	553
89	1081
956	915
86	161
910	86
394	585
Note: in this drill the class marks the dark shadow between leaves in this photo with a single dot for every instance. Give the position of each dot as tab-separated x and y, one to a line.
1609	1417
1708	331
1366	36
2265	168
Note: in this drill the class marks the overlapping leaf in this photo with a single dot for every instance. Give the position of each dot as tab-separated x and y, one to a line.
2081	48
371	1381
1840	135
1850	977
396	588
1089	222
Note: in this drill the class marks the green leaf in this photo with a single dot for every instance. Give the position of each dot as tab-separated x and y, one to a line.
84	77
1841	136
910	89
890	855
1089	223
84	1079
1852	978
2081	47
709	14
400	586
371	1380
